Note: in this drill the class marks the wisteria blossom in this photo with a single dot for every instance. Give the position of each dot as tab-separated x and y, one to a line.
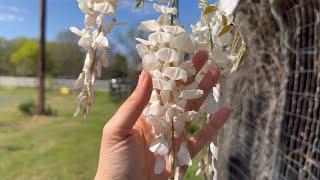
217	33
93	39
163	56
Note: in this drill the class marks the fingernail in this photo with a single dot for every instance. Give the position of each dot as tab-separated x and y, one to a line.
142	76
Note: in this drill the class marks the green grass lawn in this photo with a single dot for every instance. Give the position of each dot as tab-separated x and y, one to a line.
62	147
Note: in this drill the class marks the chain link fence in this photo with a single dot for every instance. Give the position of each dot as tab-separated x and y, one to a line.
274	132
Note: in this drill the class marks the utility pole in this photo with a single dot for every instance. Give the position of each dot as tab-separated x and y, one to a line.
42	58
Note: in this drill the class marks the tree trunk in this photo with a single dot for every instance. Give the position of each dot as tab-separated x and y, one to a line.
42	59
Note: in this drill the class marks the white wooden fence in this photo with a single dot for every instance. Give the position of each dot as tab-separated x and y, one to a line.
14	82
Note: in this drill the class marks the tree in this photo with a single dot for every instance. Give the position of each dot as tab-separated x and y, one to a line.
118	67
24	58
42	58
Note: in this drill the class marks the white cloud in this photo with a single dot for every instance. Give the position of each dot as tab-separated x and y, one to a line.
14	9
10	18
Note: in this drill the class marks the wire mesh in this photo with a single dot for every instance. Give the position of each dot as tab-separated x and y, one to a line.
274	132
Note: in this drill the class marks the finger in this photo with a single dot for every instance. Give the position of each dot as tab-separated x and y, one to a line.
210	129
206	84
131	109
198	60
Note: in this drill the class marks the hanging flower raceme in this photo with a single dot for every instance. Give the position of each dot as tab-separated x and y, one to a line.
163	55
93	39
217	33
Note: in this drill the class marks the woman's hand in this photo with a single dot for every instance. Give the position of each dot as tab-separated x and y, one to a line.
124	152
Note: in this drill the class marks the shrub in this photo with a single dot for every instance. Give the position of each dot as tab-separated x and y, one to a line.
28	107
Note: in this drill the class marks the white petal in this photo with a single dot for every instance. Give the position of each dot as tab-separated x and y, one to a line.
216	92
165	95
155	109
160	37
85	6
104	58
183	42
164	19
88	61
156	74
149	61
191	94
175	73
85	40
214	150
165	9
100	19
172	111
168	55
90	20
188	66
201	167
154	96
183	155
189	116
192	86
224	40
101	41
145	42
87	77
159	147
163	84
228	6
159	165
104	8
80	81
209	106
76	31
173	29
149	26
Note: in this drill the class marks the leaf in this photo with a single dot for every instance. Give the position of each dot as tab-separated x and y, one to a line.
224	20
235	41
226	29
210	9
239	58
139	3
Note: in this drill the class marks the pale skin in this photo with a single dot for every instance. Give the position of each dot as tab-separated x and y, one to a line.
124	152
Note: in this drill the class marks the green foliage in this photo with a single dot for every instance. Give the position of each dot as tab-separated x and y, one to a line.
50	111
18	57
139	3
25	58
194	127
118	67
28	107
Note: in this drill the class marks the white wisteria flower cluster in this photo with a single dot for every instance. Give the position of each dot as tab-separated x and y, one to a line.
93	39
163	56
217	33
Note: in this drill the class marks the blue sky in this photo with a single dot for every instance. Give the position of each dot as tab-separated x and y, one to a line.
19	18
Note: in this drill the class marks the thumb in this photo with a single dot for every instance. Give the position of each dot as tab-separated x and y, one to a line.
132	108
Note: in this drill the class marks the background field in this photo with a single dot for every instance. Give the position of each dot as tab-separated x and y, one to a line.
62	147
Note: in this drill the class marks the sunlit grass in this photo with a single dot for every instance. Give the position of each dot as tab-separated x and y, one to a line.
61	147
